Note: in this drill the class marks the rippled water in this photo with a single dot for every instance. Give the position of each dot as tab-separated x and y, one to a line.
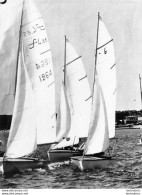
125	172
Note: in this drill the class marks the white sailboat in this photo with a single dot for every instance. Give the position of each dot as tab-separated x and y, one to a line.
33	121
102	124
75	107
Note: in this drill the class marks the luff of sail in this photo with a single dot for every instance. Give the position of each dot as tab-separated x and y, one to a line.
106	70
23	126
78	93
98	136
10	19
38	61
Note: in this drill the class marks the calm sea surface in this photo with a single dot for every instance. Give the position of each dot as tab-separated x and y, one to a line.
125	172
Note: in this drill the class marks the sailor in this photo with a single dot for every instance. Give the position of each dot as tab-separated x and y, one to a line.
140	139
1	151
1	145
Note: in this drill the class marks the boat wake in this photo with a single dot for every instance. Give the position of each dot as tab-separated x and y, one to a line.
56	165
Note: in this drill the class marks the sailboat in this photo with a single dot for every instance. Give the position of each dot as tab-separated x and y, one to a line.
34	119
75	108
102	123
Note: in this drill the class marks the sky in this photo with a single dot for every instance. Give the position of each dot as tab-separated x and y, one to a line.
77	19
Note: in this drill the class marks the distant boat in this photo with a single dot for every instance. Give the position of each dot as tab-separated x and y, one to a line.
33	121
102	125
75	108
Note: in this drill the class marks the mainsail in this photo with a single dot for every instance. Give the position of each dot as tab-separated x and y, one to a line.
78	93
10	19
33	119
38	62
78	97
23	135
102	125
107	73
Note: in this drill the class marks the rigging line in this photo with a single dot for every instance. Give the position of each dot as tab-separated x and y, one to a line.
51	83
19	46
88	98
73	60
96	55
45	51
104	44
65	61
112	66
83	78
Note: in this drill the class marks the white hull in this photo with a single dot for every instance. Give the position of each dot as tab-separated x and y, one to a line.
90	163
19	164
62	155
1	165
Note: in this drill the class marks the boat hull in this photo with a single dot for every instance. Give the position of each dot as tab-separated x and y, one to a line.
90	163
19	164
1	165
62	155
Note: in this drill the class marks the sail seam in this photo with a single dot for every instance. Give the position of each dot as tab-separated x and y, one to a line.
51	83
73	60
53	115
104	44
88	98
112	66
45	51
83	78
23	109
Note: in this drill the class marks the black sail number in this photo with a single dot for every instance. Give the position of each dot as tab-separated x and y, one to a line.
45	76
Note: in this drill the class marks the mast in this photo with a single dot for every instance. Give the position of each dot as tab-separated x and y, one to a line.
19	44
95	65
140	88
65	61
96	54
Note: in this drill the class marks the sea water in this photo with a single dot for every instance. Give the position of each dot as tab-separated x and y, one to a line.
125	172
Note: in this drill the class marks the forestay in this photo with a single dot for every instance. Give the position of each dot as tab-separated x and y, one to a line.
38	62
107	73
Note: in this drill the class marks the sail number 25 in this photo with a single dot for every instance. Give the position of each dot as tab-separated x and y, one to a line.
45	76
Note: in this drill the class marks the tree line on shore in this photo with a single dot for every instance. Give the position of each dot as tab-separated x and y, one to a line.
121	115
5	120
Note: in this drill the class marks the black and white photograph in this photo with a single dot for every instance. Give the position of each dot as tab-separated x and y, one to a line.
71	96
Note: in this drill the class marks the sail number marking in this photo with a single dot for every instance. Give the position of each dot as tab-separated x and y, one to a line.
45	76
33	30
37	42
104	51
42	63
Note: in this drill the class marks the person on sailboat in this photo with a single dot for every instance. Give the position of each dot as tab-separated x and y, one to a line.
1	152
140	139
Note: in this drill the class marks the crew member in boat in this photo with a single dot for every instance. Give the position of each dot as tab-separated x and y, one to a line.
1	146
140	139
